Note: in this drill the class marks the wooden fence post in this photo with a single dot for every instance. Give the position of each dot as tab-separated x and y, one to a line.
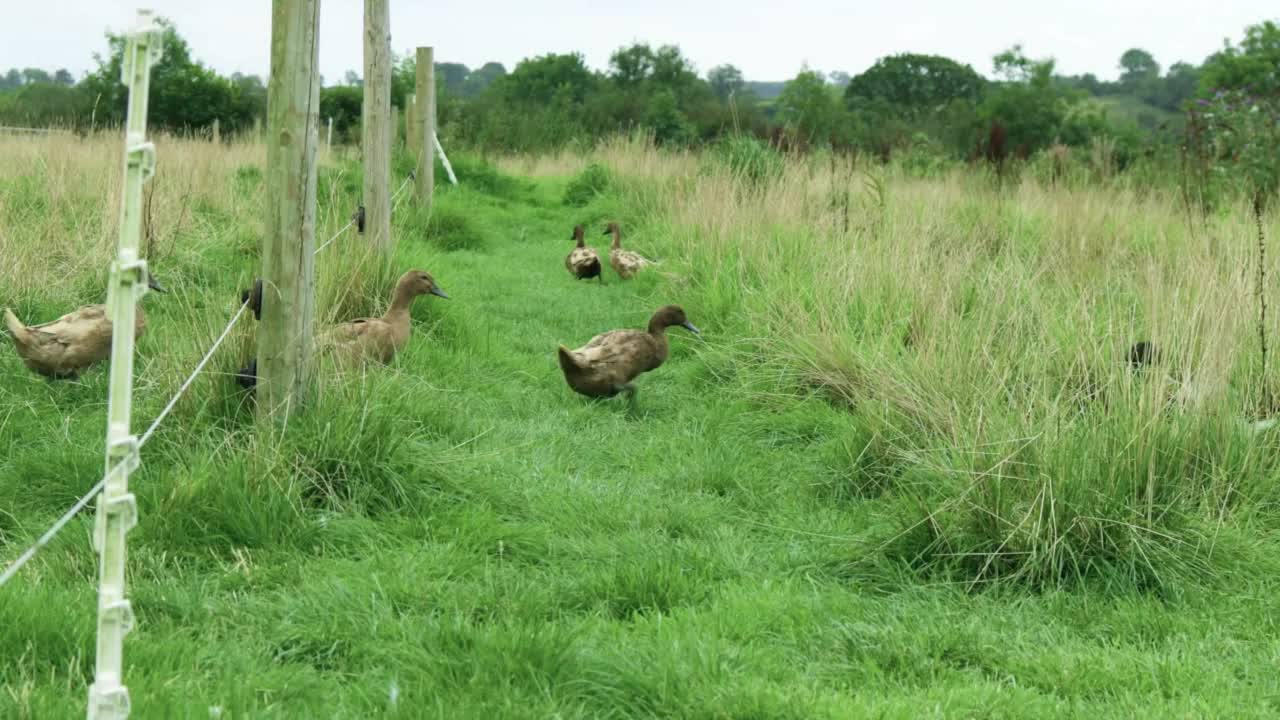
217	131
375	117
288	270
425	125
395	126
328	140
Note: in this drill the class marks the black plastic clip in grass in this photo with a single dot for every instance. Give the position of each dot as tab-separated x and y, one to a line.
253	296
247	376
359	218
413	174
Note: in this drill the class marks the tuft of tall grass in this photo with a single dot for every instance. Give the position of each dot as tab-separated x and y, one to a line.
593	182
979	334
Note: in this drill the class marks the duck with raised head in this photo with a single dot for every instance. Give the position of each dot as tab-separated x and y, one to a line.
61	349
381	338
583	262
624	262
607	364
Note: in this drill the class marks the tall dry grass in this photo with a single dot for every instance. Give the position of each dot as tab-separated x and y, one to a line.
979	336
202	231
60	208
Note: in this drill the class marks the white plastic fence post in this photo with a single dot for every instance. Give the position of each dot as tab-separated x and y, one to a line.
445	159
117	509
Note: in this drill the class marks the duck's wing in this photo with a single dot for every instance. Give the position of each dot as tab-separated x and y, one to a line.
582	258
358	330
613	347
634	259
80	327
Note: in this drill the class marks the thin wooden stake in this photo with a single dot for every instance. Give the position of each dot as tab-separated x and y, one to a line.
376	128
410	124
425	119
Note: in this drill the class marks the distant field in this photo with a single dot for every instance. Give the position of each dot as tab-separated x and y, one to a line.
906	471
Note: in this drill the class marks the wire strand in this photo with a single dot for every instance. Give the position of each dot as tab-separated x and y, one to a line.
57	526
335	236
66	517
191	378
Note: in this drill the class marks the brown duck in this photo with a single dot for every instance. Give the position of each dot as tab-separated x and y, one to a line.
381	338
63	348
624	262
583	262
606	366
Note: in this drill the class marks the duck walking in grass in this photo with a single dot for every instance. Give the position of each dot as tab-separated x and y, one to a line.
381	338
583	262
63	348
626	263
606	366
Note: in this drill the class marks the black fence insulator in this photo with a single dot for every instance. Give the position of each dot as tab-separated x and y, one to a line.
247	376
253	296
360	219
413	174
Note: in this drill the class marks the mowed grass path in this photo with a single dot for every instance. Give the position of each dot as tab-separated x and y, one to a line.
459	535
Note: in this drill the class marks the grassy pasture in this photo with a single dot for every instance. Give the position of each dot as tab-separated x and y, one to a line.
906	471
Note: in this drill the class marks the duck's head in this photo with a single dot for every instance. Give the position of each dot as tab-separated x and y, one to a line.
671	316
611	228
419	282
579	234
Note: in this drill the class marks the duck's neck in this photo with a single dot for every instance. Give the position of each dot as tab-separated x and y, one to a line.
617	239
580	240
400	302
657	327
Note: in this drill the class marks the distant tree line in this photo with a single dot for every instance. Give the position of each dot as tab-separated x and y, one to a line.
901	103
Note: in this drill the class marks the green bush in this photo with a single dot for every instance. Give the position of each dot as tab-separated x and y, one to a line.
593	181
444	226
476	174
749	159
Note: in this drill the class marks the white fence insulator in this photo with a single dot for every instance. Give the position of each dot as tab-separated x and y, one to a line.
444	159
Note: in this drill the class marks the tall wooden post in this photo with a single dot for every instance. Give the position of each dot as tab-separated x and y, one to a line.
217	131
425	125
376	117
395	126
410	122
288	271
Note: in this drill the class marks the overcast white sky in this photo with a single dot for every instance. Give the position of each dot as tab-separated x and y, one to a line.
767	39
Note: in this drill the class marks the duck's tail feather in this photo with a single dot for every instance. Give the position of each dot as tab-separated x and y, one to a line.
567	362
15	325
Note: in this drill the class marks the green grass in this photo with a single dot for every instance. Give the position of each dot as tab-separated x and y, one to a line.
459	535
